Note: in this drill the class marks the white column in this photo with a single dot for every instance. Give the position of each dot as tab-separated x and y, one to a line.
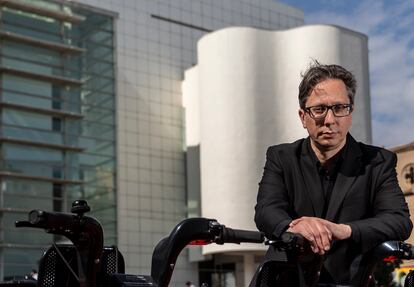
249	267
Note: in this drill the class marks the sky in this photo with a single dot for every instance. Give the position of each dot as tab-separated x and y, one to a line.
389	25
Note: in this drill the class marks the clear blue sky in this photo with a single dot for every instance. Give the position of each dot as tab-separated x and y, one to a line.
389	25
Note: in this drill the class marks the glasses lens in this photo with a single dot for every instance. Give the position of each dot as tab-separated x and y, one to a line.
341	110
318	111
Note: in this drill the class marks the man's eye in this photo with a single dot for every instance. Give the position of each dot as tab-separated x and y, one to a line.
319	110
339	108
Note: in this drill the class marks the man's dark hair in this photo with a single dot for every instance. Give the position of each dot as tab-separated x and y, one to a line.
317	73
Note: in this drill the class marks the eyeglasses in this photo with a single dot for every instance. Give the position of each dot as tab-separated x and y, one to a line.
320	112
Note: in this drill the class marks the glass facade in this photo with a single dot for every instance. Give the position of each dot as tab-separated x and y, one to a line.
57	120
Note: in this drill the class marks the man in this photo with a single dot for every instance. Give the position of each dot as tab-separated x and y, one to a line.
341	195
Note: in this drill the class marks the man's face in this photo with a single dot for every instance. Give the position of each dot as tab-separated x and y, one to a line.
328	133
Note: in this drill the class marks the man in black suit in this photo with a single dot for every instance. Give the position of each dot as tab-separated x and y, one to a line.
341	195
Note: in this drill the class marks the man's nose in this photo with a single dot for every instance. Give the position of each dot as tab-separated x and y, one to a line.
330	117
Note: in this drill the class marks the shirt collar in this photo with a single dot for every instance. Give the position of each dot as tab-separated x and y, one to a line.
335	161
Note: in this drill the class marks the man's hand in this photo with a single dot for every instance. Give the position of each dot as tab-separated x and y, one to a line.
315	231
339	231
319	232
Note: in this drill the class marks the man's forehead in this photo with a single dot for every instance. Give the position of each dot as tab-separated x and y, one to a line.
328	86
319	89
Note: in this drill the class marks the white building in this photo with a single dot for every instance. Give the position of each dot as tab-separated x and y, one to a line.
240	98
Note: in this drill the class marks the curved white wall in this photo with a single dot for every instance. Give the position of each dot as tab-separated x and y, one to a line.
247	86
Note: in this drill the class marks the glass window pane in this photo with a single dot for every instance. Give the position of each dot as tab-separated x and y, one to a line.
27	86
30	53
29	153
26	119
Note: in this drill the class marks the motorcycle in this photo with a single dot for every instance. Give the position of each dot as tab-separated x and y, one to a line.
88	263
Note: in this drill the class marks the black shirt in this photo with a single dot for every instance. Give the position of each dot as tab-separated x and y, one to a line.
327	173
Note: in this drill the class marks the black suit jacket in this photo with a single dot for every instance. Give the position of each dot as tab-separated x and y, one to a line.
366	196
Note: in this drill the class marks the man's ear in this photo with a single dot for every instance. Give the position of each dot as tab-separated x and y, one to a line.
302	117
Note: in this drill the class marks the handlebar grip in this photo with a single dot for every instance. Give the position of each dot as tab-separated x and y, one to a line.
238	236
293	239
289	241
50	220
22	223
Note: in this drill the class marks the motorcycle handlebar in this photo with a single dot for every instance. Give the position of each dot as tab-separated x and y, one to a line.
50	221
293	239
85	233
238	236
193	231
289	241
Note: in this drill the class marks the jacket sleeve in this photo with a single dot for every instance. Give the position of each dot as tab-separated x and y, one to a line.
391	218
271	211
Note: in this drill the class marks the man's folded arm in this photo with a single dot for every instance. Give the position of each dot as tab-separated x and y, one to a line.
391	217
271	214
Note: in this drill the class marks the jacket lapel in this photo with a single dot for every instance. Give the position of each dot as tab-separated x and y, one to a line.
348	172
312	182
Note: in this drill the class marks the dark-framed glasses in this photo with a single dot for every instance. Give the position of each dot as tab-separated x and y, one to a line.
339	110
